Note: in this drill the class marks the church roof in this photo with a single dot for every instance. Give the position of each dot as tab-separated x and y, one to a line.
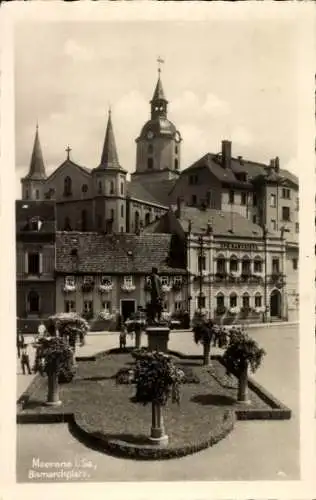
136	190
109	158
113	253
159	125
159	92
160	190
37	167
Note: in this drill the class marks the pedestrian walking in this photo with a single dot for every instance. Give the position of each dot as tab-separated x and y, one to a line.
20	343
123	336
25	360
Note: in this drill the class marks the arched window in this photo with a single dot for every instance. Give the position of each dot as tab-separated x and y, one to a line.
122	210
67	224
83	220
27	194
67	186
245	265
136	221
176	164
99	187
122	229
33	302
84	188
221	264
37	194
245	301
150	149
201	301
220	301
233	264
147	219
257	265
258	300
176	149
233	300
150	163
112	214
122	188
111	187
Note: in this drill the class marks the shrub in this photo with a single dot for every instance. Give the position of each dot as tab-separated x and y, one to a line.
53	355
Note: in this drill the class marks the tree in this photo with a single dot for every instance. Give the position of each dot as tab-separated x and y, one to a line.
242	354
54	357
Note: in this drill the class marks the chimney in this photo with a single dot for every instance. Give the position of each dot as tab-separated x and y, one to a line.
277	164
241	160
226	153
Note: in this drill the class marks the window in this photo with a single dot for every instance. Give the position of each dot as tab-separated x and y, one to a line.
258	300
295	264
150	149
233	300
165	305
243	198
245	301
176	164
34	263
111	187
165	280
112	214
273	224
99	187
286	213
136	221
254	219
257	265
35	224
178	305
27	194
122	229
220	301
128	281
194	199
177	280
176	149
70	306
87	306
201	263
106	280
122	210
233	264
37	194
245	266
275	265
193	179
122	188
231	197
84	220
201	301
272	200
150	163
33	302
297	227
67	186
147	218
67	224
70	281
297	207
286	193
99	221
84	188
254	199
221	265
106	305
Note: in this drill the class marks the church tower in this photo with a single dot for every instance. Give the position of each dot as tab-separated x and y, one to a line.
109	185
159	143
33	184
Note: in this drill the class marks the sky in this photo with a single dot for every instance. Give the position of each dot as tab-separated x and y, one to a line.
223	79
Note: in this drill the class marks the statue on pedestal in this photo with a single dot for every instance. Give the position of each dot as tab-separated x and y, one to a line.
156	298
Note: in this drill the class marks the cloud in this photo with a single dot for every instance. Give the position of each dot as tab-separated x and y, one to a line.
241	136
76	51
291	166
215	106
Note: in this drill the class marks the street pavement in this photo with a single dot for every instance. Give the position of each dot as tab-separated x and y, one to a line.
255	450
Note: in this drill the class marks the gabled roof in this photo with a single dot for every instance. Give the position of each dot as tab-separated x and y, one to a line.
118	253
37	167
69	163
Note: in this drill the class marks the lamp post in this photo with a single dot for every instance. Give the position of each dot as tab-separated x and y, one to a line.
200	272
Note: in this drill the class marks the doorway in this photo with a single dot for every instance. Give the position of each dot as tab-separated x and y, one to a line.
275	304
128	307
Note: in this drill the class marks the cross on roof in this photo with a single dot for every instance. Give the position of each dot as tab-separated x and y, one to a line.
160	61
68	149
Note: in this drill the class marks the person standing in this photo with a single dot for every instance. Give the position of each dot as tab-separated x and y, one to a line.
25	360
123	336
41	330
20	343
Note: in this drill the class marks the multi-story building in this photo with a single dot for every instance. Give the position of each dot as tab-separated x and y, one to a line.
35	262
237	270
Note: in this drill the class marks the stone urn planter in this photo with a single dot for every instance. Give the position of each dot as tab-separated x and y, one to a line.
205	332
53	390
242	355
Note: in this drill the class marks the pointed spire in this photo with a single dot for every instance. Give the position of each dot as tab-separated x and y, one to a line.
159	92
37	167
109	157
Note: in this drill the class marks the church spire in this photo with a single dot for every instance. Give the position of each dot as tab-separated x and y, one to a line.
37	167
109	157
159	102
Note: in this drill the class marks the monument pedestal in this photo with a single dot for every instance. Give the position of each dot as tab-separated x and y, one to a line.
157	433
158	337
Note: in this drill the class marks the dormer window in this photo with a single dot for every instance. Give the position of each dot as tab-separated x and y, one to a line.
35	224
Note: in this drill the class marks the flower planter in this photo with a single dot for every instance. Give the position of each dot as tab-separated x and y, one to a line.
243	396
206	353
157	431
53	390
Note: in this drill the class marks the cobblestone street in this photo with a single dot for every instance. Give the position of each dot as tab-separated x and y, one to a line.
255	450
